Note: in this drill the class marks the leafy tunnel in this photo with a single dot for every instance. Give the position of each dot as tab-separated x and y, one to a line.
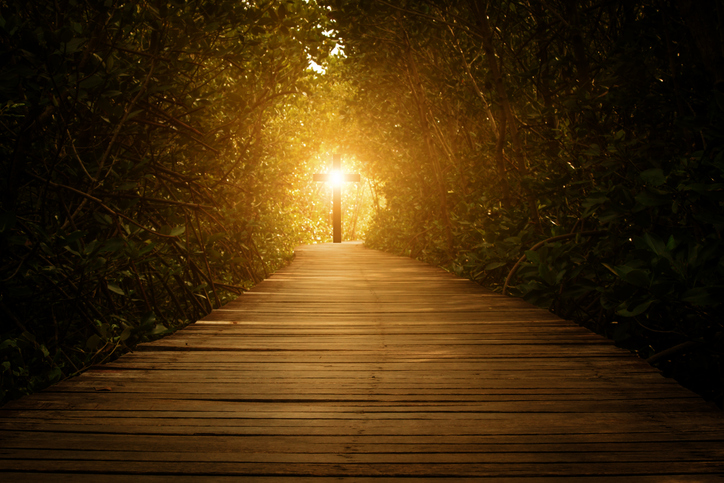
157	159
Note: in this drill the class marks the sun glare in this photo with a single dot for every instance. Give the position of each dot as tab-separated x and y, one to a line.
336	178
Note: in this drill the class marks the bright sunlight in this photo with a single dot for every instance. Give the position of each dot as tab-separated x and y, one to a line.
336	178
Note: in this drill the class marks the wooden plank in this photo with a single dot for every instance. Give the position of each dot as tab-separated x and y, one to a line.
351	363
179	446
382	454
114	478
197	442
488	469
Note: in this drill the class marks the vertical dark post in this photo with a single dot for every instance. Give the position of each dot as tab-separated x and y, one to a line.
337	201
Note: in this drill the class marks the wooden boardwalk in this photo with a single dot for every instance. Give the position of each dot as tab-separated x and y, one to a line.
357	365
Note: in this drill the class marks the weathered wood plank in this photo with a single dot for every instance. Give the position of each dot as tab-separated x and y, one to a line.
489	469
114	478
382	454
177	446
351	363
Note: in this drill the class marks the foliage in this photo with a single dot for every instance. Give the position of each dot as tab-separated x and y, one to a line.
144	176
156	159
319	131
488	127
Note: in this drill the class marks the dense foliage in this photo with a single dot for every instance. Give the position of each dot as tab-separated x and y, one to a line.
147	151
489	127
156	159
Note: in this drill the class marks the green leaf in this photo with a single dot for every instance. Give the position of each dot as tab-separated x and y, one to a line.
654	177
532	256
656	245
128	186
671	244
638	310
639	278
611	269
632	275
116	289
126	334
609	216
149	318
91	82
103	218
648	199
75	236
93	342
593	150
178	230
159	329
545	273
55	374
72	251
146	249
699	296
494	265
74	45
112	245
8	343
214	237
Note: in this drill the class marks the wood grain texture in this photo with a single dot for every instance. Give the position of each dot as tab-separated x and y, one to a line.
356	365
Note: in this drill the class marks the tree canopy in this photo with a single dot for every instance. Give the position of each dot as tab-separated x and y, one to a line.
157	159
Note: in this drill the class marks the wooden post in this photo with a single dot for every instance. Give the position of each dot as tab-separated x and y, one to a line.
336	178
337	201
